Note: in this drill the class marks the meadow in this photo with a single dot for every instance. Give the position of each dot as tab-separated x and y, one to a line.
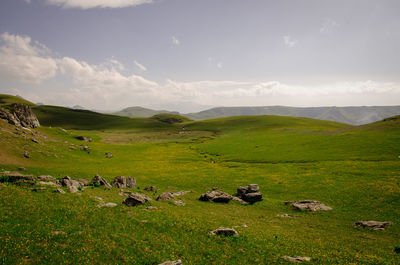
353	169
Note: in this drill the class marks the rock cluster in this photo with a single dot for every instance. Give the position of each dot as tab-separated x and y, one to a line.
122	182
375	225
309	205
249	193
20	115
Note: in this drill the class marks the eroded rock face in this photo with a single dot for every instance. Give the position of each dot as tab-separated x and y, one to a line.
176	262
97	180
296	259
375	225
309	205
20	115
169	195
122	182
216	196
136	199
249	193
225	232
16	176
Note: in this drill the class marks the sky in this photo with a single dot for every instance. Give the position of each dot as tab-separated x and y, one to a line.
190	55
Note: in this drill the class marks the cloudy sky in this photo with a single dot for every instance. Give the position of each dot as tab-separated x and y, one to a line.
188	55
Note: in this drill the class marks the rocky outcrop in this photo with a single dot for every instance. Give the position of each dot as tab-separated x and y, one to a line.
17	177
122	182
224	231
135	199
375	225
309	205
249	193
20	115
216	196
99	181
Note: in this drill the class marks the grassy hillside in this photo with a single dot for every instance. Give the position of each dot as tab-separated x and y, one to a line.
6	100
349	115
353	169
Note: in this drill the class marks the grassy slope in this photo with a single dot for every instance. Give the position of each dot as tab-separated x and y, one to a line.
353	169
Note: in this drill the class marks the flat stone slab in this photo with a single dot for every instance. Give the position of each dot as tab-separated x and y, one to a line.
136	199
224	231
375	225
296	259
309	205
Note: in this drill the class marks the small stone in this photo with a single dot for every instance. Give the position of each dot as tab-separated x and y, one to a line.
375	225
58	232
225	232
309	205
48	183
97	180
296	259
59	191
22	169
109	155
151	208
288	216
150	188
176	262
34	140
38	189
108	204
179	203
27	155
84	138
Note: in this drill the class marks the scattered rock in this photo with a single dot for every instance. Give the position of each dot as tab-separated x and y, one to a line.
27	155
72	185
249	193
136	199
288	216
216	196
109	155
122	182
309	205
97	180
151	208
46	178
47	183
176	262
59	191
375	225
179	203
239	200
108	204
22	169
169	195
296	259
98	199
86	148
84	138
58	232
150	188
216	188
34	140
225	232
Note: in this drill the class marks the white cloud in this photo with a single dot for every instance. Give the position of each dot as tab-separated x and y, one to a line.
175	41
140	66
328	26
106	86
219	65
23	60
28	1
86	4
289	41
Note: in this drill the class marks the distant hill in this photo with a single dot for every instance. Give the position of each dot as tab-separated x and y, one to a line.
141	112
350	115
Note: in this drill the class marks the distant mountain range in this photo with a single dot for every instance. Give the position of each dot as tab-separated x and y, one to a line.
350	115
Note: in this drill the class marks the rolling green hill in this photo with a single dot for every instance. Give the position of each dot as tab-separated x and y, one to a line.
141	112
353	169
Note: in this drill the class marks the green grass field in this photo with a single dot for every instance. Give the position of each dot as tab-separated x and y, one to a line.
355	170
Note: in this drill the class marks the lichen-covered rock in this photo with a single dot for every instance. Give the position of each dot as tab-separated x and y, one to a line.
122	182
309	205
225	232
375	225
136	199
97	180
216	196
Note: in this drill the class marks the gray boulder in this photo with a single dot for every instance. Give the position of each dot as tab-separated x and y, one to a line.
309	205
97	180
135	199
249	193
375	225
225	232
216	196
122	182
